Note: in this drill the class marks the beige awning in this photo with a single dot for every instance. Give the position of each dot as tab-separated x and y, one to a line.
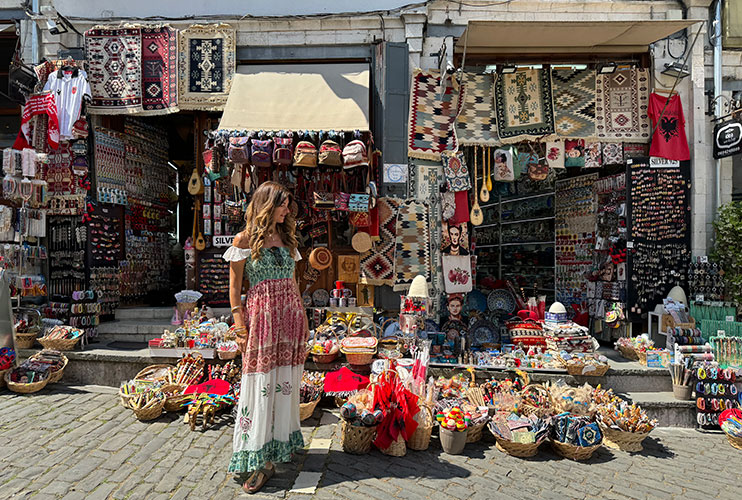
546	37
298	97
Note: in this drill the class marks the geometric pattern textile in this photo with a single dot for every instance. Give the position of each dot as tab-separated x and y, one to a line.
159	70
206	66
59	171
377	265
432	115
621	106
476	123
613	153
574	102
524	105
412	249
115	70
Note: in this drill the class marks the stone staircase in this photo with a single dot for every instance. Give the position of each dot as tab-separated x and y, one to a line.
137	324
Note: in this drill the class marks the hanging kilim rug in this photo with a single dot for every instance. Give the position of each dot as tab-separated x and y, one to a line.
159	70
377	265
574	102
476	123
524	105
206	65
621	104
114	70
59	176
432	115
412	249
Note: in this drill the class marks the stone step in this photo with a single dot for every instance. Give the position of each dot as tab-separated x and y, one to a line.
663	406
144	313
147	327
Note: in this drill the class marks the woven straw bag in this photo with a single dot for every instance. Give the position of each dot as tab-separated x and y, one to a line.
357	439
398	448
622	440
420	439
573	452
306	410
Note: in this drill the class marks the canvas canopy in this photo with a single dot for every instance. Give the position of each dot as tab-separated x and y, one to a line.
317	97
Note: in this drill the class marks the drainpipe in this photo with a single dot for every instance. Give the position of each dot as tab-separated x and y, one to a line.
717	92
34	33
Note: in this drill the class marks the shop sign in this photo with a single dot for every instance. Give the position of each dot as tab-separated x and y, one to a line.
656	162
727	139
223	240
395	173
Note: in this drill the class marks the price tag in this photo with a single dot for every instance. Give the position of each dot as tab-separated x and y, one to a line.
721	333
730	318
629	244
699	297
704	259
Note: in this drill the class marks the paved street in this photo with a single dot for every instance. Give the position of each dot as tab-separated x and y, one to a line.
79	443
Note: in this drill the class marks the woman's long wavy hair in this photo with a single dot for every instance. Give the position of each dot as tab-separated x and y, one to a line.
259	216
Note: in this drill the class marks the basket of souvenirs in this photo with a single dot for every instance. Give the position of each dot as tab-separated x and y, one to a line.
519	435
730	422
624	426
325	345
360	422
227	350
61	338
525	332
575	437
56	361
31	376
572	400
501	395
189	371
148	405
535	400
130	389
627	351
420	439
175	400
27	327
360	347
584	365
157	373
310	393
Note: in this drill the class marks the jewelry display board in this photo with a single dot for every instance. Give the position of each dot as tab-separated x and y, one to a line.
659	231
68	238
213	280
576	209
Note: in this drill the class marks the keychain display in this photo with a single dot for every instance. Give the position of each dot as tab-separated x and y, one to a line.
67	242
85	311
213	280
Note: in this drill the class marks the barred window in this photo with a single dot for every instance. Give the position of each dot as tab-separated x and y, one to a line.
732	24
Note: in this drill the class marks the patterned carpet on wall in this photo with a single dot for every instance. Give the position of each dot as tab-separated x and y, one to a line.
159	70
574	102
114	58
524	105
412	249
476	123
377	265
621	106
432	115
206	66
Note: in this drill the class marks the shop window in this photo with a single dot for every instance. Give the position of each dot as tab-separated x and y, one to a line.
732	24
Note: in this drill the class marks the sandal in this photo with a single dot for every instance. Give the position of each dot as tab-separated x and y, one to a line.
258	479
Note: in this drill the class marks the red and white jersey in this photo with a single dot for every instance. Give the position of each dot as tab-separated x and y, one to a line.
69	88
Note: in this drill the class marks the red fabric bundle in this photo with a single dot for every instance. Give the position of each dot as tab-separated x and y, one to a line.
399	407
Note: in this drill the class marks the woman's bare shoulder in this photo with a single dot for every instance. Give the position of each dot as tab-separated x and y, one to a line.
240	240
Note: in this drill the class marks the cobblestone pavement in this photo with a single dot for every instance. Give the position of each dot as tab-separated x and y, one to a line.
79	443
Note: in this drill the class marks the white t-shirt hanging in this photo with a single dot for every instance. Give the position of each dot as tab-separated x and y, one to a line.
69	87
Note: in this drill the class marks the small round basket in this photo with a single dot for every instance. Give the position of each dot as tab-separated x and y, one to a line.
326	358
398	448
24	388
527	408
736	442
420	439
622	440
628	352
150	413
126	399
59	344
25	340
154	373
174	397
521	450
474	433
357	439
227	355
306	410
56	376
577	370
573	452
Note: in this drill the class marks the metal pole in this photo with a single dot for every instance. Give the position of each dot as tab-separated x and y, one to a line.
34	34
717	92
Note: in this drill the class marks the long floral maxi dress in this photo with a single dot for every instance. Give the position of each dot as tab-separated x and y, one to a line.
267	428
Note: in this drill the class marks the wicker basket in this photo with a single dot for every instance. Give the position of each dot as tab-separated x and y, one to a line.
576	370
357	439
628	352
25	340
59	344
227	355
126	399
573	452
622	440
306	410
736	442
420	439
332	355
642	355
398	448
24	388
56	376
474	433
175	401
521	450
528	409
149	372
150	413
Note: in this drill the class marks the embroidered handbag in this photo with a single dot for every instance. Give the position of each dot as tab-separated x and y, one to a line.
305	155
261	153
448	204
283	153
456	172
341	201
239	150
359	219
359	202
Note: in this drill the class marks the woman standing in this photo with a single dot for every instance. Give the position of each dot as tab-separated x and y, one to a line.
271	328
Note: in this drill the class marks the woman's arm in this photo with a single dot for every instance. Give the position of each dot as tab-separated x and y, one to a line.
236	271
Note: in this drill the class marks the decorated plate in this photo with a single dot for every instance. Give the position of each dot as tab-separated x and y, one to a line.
501	300
483	332
476	301
321	298
307	299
